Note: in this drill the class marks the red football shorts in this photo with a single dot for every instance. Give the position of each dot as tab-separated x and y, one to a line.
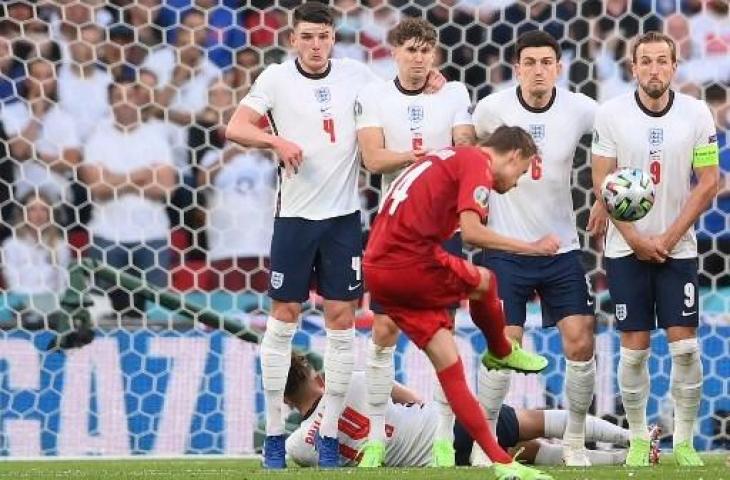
418	296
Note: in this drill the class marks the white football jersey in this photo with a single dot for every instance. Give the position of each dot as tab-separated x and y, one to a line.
542	202
662	144
410	431
412	120
317	113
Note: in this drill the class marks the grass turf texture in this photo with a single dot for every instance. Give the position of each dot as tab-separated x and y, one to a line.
717	467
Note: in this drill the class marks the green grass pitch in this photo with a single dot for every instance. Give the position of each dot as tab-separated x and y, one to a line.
717	468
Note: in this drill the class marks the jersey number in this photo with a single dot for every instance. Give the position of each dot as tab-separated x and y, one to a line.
400	189
328	124
536	168
656	172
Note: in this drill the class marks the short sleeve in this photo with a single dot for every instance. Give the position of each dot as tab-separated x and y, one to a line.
367	113
589	114
603	143
706	151
261	96
485	118
462	103
475	182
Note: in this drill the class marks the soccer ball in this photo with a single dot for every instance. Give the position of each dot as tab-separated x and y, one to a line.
628	193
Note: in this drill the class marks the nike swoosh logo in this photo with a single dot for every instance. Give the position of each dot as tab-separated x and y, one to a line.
687	314
351	288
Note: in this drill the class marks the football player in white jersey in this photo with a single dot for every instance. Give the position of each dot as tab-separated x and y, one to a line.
557	119
411	426
310	103
397	123
651	264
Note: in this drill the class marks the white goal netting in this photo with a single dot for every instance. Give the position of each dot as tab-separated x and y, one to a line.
155	381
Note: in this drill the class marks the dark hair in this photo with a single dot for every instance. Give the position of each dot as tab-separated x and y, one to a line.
536	38
505	139
314	12
654	37
412	28
300	372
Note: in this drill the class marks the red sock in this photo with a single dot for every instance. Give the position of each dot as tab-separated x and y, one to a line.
468	411
488	316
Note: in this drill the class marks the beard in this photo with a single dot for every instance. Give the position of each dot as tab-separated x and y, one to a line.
655	90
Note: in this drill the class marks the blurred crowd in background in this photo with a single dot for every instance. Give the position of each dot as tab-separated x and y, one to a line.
92	88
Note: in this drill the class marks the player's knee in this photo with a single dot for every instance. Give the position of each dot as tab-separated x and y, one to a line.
339	315
286	311
385	331
580	348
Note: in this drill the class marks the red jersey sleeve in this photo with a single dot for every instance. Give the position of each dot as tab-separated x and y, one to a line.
475	182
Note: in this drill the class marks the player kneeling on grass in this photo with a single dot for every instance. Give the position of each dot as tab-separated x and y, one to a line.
411	426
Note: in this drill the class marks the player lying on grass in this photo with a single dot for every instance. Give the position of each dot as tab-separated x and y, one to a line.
411	426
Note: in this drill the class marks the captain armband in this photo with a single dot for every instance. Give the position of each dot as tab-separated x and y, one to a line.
705	155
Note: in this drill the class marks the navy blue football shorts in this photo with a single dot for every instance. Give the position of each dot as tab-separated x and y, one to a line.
326	252
646	295
508	435
559	280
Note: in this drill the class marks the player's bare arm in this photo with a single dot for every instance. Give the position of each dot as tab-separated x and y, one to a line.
464	135
377	158
707	187
597	221
474	233
243	129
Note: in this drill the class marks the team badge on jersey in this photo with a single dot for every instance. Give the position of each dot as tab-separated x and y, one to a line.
621	312
415	115
277	280
322	94
481	196
656	137
537	132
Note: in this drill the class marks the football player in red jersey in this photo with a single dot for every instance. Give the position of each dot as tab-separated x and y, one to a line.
415	280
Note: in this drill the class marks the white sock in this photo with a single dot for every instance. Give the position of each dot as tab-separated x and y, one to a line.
380	376
552	454
686	387
339	361
580	381
597	429
549	454
275	362
493	388
633	380
445	428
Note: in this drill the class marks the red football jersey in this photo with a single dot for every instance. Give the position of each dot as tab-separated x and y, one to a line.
421	209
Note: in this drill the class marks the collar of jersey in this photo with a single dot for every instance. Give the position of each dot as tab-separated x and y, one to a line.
313	76
533	109
405	91
309	412
651	113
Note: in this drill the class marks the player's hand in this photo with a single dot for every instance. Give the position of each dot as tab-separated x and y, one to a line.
664	244
418	154
434	82
290	155
597	220
547	245
648	249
